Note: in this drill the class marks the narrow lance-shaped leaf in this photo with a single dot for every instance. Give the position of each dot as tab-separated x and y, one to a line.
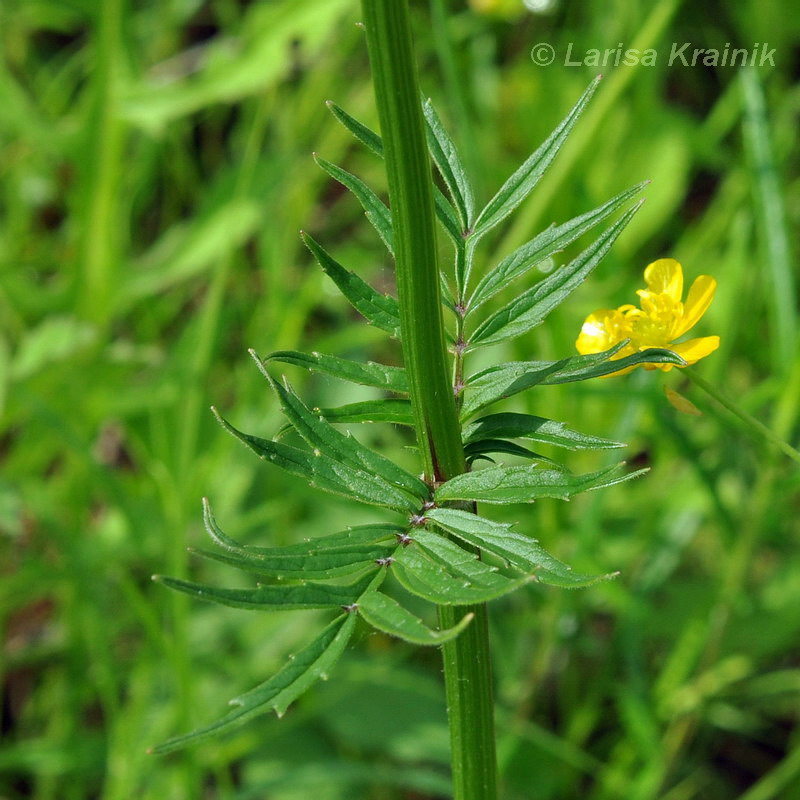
465	563
387	615
374	208
480	447
517	549
435	582
378	309
549	242
343	448
533	305
504	380
539	429
274	598
527	483
451	168
298	674
365	135
582	368
369	373
359	536
519	185
444	211
396	411
327	564
324	472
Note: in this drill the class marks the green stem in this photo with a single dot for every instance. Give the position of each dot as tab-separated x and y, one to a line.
755	427
467	664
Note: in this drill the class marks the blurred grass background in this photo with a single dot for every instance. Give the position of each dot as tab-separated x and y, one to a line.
154	172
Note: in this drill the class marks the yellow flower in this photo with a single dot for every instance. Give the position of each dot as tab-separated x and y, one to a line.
662	318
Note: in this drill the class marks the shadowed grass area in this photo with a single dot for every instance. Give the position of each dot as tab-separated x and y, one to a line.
155	171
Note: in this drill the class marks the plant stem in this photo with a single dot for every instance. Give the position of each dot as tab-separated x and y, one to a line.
755	427
467	664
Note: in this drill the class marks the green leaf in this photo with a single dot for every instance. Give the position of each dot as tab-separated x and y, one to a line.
458	560
451	168
546	244
388	410
328	564
517	549
444	211
596	365
533	305
375	209
387	615
324	472
379	310
344	449
538	429
298	674
365	135
519	185
527	483
381	376
434	581
274	598
360	536
480	447
504	380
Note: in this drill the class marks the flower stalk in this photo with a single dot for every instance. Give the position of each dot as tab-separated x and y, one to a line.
755	427
467	665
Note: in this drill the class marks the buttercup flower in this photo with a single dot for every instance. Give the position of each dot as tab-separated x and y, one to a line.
662	318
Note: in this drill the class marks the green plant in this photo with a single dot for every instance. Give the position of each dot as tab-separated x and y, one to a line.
435	543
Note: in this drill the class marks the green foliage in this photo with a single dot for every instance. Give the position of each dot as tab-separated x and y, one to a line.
677	679
339	463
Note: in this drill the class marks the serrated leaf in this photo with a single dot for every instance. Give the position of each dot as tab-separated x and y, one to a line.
517	549
344	449
375	209
526	484
324	472
298	674
451	168
434	581
388	410
456	558
596	365
504	380
360	536
520	184
274	598
444	211
538	429
369	373
380	310
480	447
365	135
388	616
328	564
533	305
546	244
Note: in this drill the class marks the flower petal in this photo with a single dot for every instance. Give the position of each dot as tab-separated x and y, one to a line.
699	299
601	330
695	349
665	276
